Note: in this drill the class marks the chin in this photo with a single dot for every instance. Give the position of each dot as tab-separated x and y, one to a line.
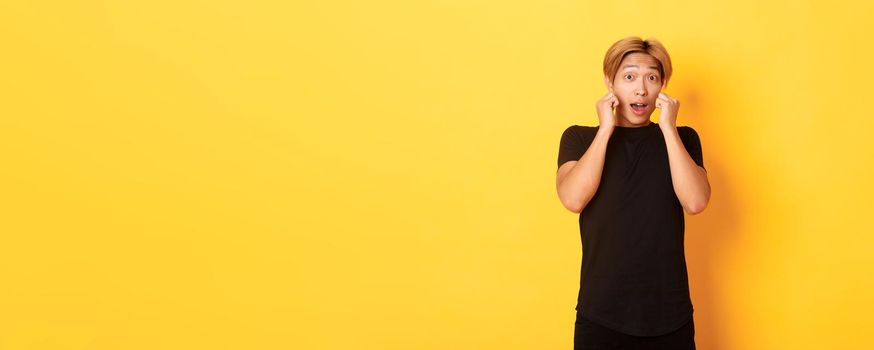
638	119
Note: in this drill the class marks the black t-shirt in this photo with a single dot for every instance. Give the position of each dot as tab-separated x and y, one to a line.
633	277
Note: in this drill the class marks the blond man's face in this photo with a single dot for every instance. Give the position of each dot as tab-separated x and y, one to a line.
636	82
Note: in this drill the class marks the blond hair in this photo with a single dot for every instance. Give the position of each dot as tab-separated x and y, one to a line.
631	44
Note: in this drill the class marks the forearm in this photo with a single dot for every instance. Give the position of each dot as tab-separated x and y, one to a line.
689	180
582	181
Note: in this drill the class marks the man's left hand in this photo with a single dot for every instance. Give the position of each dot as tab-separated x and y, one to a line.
669	107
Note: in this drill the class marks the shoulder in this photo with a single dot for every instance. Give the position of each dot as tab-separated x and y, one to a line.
580	130
579	135
685	128
687	131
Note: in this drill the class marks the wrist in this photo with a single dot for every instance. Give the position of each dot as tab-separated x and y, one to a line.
668	127
606	128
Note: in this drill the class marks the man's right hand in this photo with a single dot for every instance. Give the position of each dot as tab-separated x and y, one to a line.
605	106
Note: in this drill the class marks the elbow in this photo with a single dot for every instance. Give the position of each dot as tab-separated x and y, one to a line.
697	205
574	205
574	201
695	209
575	209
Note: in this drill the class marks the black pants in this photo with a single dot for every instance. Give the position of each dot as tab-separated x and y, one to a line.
592	336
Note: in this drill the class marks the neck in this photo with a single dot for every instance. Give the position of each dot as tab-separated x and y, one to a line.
626	123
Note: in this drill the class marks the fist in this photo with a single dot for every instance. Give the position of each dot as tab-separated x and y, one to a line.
669	107
604	107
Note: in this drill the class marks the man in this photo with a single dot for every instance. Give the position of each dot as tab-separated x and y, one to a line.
631	180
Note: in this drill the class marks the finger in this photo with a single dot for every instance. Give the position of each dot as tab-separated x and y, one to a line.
669	97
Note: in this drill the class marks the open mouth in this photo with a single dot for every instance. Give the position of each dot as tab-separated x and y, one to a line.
638	108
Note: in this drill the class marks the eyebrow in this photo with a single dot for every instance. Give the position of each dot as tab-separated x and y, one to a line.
636	66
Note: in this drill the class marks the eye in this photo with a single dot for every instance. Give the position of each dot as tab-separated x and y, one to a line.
653	78
627	76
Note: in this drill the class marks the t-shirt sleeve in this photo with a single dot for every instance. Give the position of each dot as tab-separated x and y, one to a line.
693	145
574	142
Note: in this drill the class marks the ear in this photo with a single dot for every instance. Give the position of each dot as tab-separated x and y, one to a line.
608	83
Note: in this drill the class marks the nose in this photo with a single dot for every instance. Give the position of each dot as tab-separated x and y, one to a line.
640	90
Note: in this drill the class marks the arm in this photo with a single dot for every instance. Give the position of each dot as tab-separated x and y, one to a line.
577	181
689	179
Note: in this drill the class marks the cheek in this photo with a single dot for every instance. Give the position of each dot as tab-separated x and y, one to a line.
622	100
622	94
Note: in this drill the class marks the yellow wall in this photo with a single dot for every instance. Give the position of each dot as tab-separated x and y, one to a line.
380	175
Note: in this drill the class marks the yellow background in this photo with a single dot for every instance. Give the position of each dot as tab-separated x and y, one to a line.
381	174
